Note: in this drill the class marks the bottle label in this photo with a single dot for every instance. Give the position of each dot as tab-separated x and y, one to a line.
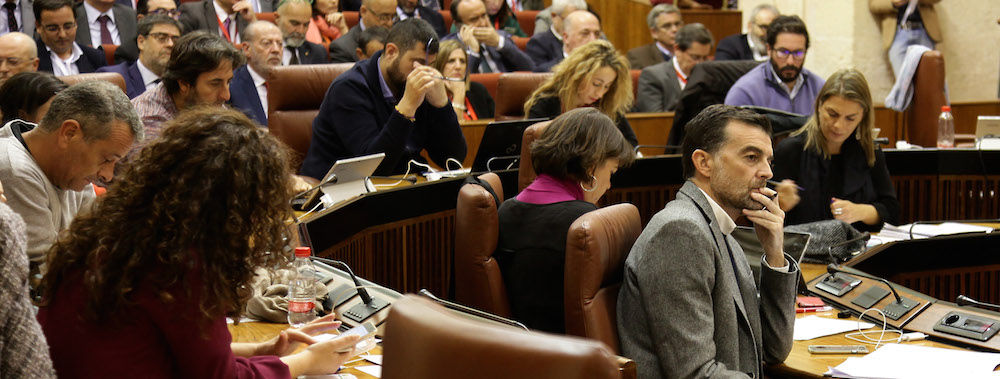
300	306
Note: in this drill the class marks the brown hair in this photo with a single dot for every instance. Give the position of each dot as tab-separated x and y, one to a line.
851	85
707	131
576	143
444	51
580	65
209	198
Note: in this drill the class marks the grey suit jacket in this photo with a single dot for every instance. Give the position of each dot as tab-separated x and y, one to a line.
645	55
125	20
27	17
682	310
201	16
344	49
658	88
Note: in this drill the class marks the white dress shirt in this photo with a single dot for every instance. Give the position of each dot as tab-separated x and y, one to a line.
148	77
17	16
727	225
258	83
95	26
223	15
61	67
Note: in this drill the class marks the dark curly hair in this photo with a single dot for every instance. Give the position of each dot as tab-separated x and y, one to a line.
209	198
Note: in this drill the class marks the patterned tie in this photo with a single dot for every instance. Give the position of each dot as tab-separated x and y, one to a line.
225	24
105	33
295	57
11	7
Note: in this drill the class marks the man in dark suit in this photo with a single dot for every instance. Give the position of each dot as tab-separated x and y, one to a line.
391	103
293	19
58	53
104	22
248	90
664	20
686	266
128	52
546	44
223	17
751	45
373	13
157	34
660	85
489	49
579	28
412	8
24	18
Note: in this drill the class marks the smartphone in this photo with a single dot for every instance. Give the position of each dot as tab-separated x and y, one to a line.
366	331
838	349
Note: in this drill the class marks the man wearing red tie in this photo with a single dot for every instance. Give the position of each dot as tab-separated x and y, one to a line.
225	17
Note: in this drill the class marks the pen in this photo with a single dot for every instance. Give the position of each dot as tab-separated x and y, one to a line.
448	79
813	309
772	182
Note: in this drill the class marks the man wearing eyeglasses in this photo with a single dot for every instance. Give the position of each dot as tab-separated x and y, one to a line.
750	45
664	21
262	44
660	85
128	52
58	52
18	53
373	13
780	83
489	49
157	35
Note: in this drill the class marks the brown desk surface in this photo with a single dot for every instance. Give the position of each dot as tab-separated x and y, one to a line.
803	364
263	331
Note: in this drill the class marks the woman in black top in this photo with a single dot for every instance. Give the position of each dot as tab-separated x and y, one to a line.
574	158
593	75
470	100
27	96
833	157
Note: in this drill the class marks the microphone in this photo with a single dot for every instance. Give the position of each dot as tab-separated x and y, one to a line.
864	236
369	306
361	291
966	301
893	310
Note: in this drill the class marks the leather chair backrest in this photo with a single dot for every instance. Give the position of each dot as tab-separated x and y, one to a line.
478	282
596	247
513	89
294	96
521	42
526	173
351	18
526	19
267	16
110	77
928	97
446	17
635	83
109	53
488	80
424	340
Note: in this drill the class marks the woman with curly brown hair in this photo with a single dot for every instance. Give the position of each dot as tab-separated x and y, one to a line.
142	284
593	75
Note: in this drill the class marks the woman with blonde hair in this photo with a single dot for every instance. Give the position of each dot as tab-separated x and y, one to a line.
834	159
593	75
470	100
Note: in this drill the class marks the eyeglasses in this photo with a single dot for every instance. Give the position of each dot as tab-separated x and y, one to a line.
12	61
162	37
55	28
431	48
384	17
784	53
169	12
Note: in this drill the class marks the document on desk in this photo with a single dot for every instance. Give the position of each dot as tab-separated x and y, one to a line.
931	230
809	327
916	362
375	371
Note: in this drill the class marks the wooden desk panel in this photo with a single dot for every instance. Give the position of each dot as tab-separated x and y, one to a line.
624	21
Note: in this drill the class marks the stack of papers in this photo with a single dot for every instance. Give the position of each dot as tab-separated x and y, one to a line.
915	362
890	232
809	327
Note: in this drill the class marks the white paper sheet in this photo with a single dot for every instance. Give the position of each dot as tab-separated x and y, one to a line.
917	362
809	327
374	358
375	371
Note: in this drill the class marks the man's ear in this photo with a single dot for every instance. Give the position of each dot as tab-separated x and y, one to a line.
390	51
245	46
702	162
360	53
68	131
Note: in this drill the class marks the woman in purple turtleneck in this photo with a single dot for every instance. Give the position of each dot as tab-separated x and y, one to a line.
574	159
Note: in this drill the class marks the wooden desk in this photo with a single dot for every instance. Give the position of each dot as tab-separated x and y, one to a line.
263	331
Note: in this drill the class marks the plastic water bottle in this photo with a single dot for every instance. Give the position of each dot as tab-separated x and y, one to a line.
301	290
946	129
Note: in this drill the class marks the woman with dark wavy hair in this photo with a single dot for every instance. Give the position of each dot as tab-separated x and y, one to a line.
142	284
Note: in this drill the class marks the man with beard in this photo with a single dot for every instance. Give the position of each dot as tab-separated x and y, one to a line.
412	8
157	34
750	45
393	103
198	73
293	19
780	83
686	266
262	45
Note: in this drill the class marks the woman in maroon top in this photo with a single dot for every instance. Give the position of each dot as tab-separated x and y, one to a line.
141	286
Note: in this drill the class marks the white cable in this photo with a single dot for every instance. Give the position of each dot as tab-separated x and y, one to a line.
449	160
881	338
311	210
404	174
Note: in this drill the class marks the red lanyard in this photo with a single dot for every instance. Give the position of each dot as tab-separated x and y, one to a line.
680	76
225	30
470	114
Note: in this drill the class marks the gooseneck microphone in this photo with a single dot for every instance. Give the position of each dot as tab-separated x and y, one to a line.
367	299
966	301
833	270
864	236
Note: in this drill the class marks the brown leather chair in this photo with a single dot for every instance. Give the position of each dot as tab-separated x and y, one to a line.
109	53
446	15
527	21
111	77
526	172
425	340
513	89
521	42
351	18
267	16
489	80
928	97
293	99
478	282
596	247
635	83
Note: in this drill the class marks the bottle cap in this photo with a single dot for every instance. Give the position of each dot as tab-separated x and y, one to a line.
303	252
945	108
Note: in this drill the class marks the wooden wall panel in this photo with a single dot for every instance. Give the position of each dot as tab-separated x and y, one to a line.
965	113
917	196
981	283
624	21
649	200
968	197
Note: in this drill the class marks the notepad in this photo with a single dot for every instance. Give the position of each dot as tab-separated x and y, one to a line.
809	327
917	362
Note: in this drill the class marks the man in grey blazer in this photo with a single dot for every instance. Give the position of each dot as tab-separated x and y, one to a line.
373	13
122	24
689	307
660	85
23	16
226	18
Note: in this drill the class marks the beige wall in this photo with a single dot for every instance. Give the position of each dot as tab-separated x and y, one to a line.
845	34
